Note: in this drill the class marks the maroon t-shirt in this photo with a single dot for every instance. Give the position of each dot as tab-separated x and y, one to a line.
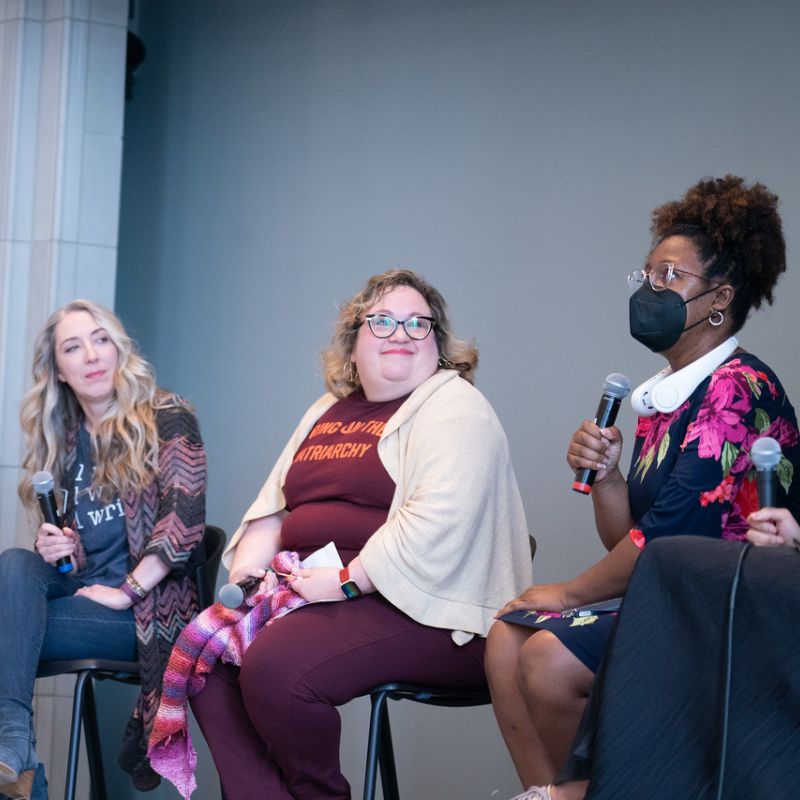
337	489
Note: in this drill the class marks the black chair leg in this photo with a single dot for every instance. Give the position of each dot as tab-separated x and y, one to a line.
380	751
373	744
93	751
75	733
389	785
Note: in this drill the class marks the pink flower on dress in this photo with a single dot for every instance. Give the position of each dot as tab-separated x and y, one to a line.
742	378
728	399
715	424
721	494
784	432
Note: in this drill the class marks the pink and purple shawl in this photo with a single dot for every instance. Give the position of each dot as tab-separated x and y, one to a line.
217	633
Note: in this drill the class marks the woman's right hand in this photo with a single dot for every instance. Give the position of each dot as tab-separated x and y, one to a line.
53	543
772	527
540	597
595	448
269	578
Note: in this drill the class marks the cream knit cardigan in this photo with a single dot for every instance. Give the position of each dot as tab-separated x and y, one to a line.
455	545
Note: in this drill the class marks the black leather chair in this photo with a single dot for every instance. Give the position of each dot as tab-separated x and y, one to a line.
87	670
379	744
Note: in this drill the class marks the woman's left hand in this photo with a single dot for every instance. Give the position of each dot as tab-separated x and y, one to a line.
107	596
541	597
773	527
316	583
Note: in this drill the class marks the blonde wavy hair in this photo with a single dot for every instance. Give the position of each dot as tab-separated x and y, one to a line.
338	371
124	442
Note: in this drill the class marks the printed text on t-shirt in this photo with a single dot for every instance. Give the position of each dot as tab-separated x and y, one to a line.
316	452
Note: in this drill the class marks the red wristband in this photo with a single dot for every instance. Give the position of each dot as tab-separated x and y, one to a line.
348	586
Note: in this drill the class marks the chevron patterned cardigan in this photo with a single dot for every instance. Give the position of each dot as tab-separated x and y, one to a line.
167	519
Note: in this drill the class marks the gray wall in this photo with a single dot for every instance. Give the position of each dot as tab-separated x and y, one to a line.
278	153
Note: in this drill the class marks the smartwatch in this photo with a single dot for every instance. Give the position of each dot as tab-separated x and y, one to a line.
348	586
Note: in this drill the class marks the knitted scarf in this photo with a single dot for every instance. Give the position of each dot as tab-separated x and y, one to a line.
217	633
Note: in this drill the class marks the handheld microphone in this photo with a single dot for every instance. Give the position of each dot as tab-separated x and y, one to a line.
766	455
43	485
615	388
232	595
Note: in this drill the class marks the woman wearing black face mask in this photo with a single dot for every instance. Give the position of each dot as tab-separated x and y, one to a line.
717	253
661	316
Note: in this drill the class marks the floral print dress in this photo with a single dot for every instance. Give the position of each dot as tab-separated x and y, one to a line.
691	471
691	474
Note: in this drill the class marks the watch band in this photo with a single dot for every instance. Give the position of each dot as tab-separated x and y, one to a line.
348	586
130	593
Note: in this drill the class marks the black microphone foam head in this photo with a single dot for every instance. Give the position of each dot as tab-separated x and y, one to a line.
617	385
42	482
765	453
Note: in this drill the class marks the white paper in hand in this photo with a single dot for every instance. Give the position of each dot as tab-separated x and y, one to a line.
327	556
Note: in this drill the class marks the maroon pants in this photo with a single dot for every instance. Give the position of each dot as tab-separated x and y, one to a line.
273	727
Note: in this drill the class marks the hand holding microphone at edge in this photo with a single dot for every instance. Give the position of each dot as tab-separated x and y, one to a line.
770	526
595	448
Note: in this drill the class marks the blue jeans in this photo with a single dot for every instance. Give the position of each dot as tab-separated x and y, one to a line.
42	620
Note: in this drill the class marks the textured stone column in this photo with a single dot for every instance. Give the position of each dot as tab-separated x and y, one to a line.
62	77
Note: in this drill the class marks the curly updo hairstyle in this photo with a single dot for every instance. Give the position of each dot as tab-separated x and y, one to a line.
738	234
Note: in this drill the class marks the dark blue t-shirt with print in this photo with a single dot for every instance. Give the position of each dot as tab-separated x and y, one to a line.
99	522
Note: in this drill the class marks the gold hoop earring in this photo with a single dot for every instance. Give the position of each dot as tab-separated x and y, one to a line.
716	318
446	363
352	373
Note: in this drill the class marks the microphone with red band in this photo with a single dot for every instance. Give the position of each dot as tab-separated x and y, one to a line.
766	455
615	388
43	485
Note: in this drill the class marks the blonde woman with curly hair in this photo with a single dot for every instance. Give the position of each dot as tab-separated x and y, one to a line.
403	465
130	462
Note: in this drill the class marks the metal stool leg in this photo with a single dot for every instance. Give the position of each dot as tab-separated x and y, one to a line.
93	751
386	759
373	744
75	733
380	751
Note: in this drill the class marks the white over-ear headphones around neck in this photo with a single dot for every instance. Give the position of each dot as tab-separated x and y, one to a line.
667	390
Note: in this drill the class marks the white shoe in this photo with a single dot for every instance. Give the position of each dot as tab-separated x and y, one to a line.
535	793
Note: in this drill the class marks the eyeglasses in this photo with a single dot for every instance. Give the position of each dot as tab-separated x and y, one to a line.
660	276
383	326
